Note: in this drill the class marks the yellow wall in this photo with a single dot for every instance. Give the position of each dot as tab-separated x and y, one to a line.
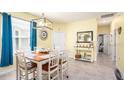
104	29
70	30
48	42
41	43
73	28
23	15
117	22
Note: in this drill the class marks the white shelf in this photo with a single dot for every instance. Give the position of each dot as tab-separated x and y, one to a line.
85	51
85	59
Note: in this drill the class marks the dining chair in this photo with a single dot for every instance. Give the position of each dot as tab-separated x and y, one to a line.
63	64
25	66
51	69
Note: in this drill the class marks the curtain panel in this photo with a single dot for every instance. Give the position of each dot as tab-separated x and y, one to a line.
33	35
7	45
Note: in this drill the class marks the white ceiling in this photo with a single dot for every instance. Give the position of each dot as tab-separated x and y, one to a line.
67	17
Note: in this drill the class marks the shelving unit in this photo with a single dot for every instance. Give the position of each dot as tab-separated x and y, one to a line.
85	50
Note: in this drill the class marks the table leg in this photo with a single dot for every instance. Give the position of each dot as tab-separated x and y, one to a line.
39	70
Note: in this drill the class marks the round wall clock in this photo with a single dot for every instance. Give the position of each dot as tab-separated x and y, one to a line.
43	35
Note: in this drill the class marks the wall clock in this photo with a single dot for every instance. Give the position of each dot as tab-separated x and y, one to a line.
43	35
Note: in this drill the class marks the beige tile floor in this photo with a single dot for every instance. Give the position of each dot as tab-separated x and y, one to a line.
103	69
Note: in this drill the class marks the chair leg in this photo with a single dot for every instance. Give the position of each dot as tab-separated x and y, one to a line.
61	74
26	75
49	76
34	75
19	74
67	76
58	74
64	73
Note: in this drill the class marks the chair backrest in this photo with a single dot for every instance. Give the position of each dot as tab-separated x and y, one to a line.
21	59
53	59
64	56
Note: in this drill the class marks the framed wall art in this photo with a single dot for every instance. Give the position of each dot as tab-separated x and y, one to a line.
85	37
43	35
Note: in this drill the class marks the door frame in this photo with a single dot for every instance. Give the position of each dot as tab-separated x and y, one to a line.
53	46
103	41
114	46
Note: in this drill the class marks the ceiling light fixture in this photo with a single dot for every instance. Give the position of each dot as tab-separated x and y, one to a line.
43	23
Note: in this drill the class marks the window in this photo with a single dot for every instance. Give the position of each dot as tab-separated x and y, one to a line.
21	34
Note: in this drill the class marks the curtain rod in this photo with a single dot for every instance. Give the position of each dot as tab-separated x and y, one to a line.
17	17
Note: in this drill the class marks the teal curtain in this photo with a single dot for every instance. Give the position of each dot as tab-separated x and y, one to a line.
7	48
33	35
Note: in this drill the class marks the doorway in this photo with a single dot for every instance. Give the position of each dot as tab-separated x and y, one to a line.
58	40
104	44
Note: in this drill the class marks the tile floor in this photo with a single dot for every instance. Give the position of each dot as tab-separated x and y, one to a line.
103	69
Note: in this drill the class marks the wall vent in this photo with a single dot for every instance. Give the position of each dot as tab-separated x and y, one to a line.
107	15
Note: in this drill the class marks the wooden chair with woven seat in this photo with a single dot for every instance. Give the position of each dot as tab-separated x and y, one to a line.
51	69
63	64
25	67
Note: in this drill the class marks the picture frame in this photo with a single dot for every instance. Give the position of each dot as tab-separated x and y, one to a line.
84	37
43	35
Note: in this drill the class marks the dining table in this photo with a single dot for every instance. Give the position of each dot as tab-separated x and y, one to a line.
39	58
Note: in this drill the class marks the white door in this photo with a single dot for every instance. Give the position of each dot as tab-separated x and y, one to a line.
107	44
59	40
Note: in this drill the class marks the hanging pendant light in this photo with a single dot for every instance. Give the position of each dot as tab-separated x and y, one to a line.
43	23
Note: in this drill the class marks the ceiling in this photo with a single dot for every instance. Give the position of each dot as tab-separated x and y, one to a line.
67	17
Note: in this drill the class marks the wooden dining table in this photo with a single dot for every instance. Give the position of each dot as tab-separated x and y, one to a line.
39	58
